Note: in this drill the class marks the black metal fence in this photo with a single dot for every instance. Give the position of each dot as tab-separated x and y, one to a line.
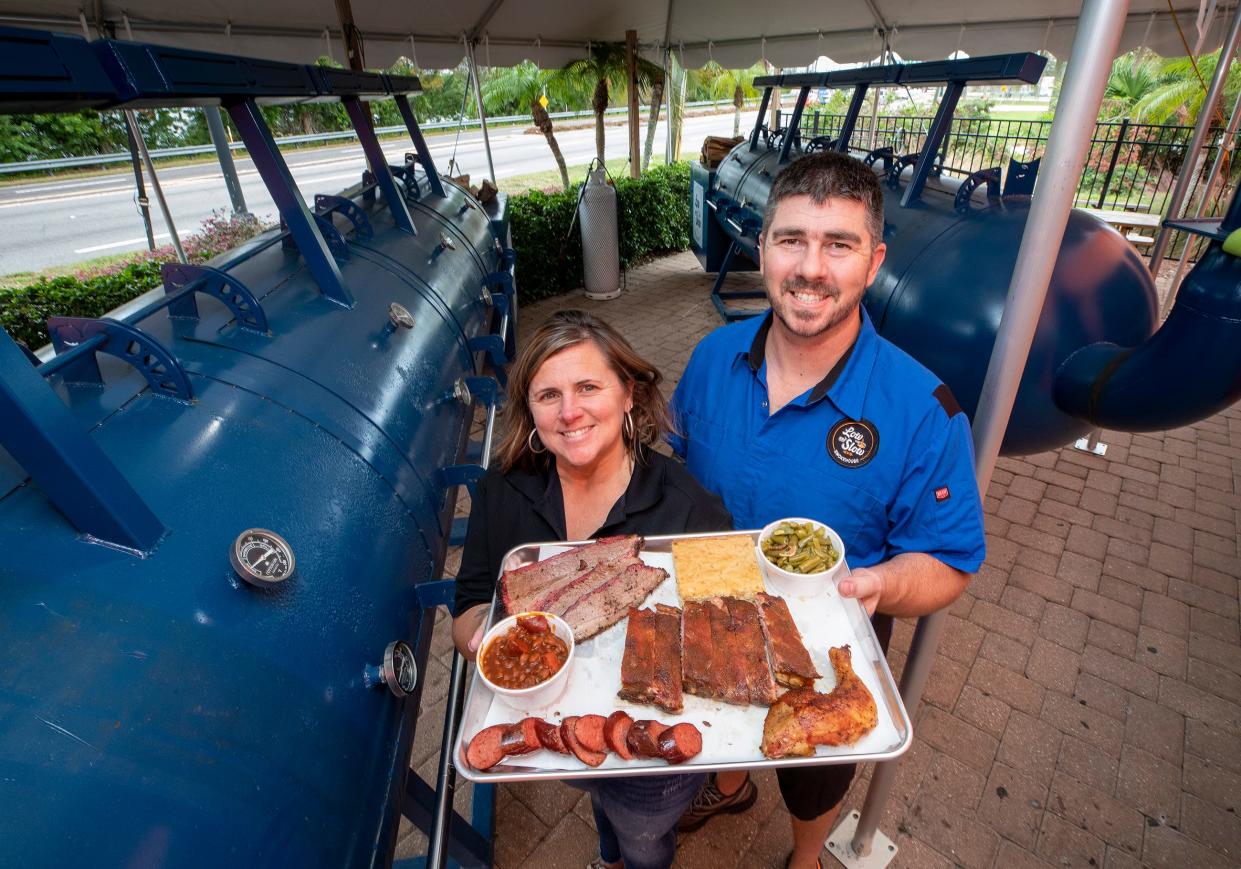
1130	167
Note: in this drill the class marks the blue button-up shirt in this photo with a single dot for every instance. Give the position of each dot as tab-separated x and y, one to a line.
879	449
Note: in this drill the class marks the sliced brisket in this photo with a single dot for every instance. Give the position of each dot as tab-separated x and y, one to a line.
521	588
605	605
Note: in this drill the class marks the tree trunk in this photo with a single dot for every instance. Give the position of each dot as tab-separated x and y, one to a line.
657	99
543	122
600	105
738	102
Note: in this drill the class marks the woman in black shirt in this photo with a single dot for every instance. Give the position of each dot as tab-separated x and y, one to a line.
575	462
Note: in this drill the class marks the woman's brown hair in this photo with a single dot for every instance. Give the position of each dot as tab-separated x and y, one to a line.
651	419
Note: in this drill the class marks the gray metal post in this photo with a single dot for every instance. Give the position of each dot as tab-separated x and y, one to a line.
482	113
215	127
669	157
131	118
1098	35
1190	166
144	204
1225	147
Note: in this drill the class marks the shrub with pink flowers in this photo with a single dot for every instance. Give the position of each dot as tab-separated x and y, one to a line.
92	292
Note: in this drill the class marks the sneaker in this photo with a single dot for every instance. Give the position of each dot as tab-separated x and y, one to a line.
710	802
598	863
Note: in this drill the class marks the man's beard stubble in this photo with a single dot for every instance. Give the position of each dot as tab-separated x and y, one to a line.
796	322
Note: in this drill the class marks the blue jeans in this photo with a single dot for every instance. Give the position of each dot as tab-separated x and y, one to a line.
637	816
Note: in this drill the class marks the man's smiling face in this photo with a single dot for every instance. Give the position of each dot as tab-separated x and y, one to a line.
817	260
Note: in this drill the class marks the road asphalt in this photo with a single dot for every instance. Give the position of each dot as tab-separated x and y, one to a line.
60	222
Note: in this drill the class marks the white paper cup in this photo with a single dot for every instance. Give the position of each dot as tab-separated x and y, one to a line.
536	695
787	583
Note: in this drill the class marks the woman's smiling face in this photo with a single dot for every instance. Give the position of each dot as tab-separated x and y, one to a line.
578	403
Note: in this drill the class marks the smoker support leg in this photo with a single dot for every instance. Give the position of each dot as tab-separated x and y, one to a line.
719	298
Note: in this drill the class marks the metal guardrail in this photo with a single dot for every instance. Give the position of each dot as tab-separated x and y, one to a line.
52	165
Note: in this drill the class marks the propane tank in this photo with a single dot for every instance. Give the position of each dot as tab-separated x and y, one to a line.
600	240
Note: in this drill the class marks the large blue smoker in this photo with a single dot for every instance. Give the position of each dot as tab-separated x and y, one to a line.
1096	361
218	512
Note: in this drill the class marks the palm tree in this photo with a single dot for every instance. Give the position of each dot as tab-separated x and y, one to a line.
657	99
676	106
1180	93
738	84
525	84
1134	76
602	68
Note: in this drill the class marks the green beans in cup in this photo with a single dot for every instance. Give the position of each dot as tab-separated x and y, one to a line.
800	547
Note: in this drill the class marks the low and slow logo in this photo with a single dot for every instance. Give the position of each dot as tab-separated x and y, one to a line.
852	442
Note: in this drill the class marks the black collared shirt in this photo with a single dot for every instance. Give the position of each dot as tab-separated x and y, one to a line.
520	507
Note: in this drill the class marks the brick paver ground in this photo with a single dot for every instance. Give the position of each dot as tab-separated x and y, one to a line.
1085	704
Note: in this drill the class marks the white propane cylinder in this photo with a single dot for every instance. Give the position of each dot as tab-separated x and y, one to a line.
600	239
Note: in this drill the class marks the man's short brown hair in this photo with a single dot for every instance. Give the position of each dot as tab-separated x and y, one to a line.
830	175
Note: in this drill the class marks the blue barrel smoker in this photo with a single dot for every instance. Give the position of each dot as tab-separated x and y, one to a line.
222	514
952	246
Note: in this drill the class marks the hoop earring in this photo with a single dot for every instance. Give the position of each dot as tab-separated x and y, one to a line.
628	433
530	443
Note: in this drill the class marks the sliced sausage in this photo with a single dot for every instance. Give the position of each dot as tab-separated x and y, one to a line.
679	743
520	738
615	729
534	624
589	732
581	752
485	750
549	736
643	737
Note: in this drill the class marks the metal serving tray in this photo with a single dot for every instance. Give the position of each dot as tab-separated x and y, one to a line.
731	735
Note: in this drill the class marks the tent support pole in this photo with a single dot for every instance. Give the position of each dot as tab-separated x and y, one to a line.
482	114
144	204
1189	169
215	126
668	157
131	119
1098	35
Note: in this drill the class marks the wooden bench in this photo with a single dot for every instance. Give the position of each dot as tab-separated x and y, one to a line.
1135	226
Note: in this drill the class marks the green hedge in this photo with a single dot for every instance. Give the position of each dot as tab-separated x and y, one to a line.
654	218
24	310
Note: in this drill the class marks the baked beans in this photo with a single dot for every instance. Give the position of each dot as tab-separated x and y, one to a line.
525	655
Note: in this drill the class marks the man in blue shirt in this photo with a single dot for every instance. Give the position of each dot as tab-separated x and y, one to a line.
809	412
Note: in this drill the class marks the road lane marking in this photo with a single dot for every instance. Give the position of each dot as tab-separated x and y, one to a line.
124	243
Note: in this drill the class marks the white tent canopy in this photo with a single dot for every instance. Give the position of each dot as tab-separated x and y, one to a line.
788	33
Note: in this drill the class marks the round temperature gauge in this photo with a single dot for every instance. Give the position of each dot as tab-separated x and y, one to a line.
400	673
262	557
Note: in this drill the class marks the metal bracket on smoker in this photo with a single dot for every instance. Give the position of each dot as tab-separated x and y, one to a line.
462	475
894	174
820	143
331	237
369	182
492	345
185	280
485	389
970	184
405	174
886	154
327	204
80	338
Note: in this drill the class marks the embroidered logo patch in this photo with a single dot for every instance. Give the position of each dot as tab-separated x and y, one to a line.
852	442
942	494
